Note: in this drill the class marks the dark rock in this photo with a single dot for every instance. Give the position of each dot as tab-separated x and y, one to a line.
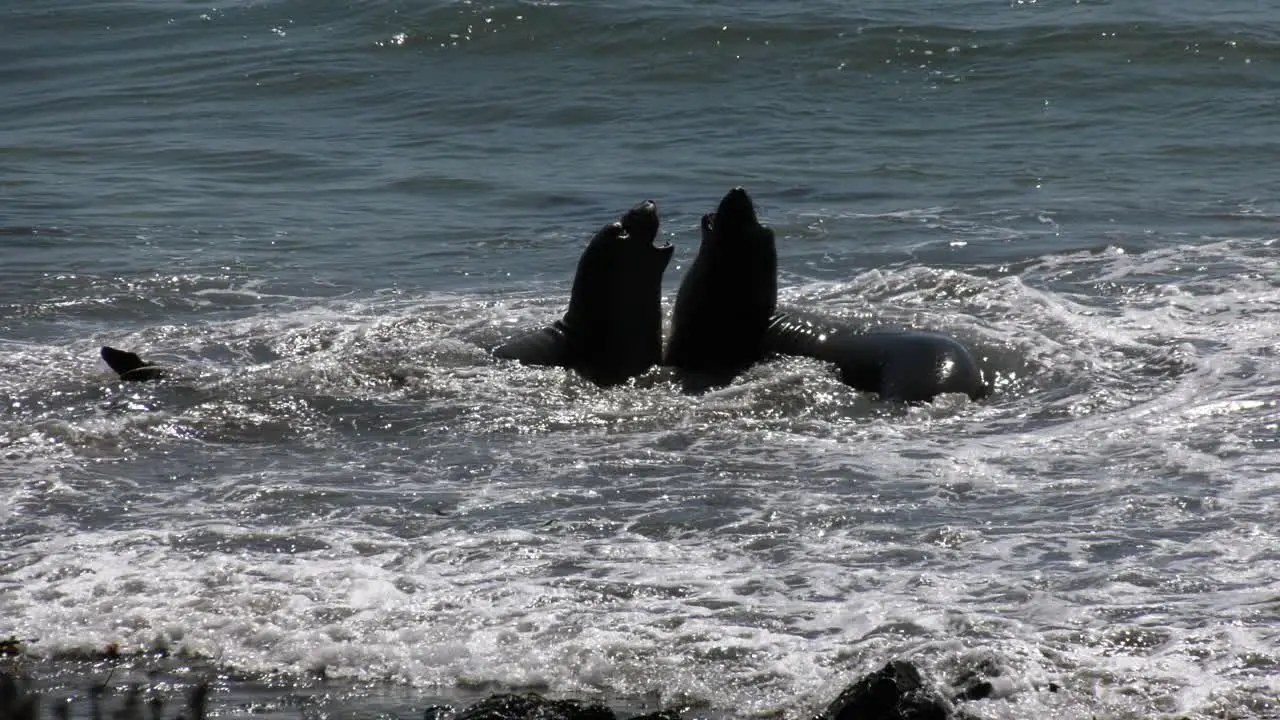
661	715
197	701
1053	687
895	692
439	712
17	701
532	706
975	683
976	690
12	647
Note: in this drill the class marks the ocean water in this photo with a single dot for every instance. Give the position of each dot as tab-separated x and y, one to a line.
323	212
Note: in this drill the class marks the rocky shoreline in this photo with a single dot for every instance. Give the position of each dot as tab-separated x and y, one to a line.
897	691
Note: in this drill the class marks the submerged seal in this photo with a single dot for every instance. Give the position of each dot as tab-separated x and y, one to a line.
129	366
905	365
726	319
612	330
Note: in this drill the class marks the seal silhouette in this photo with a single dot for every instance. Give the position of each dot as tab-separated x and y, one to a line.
726	318
906	365
612	329
726	298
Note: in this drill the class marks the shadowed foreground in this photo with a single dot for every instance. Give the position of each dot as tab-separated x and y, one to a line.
895	692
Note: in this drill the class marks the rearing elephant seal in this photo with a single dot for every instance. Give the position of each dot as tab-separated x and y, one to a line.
612	330
726	319
726	298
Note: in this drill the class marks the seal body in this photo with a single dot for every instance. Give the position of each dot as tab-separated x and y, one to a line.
129	366
726	298
612	330
726	319
904	365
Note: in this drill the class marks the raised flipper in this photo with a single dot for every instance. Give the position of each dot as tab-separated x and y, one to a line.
129	366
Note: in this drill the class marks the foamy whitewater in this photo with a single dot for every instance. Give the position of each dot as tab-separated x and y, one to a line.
323	214
381	500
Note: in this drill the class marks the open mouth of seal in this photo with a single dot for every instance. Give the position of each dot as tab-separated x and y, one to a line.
642	222
735	216
709	222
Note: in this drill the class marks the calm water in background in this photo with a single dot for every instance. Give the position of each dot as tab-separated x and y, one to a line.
324	211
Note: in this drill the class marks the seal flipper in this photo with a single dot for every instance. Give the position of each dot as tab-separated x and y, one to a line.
547	346
129	366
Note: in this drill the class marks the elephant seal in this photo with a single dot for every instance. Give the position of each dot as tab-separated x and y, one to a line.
726	298
904	365
726	318
612	330
129	366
